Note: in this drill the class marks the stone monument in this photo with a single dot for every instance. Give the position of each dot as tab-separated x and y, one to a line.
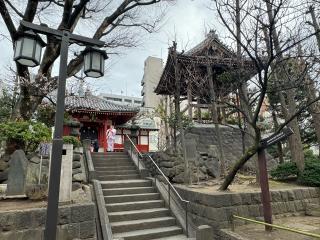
66	174
17	173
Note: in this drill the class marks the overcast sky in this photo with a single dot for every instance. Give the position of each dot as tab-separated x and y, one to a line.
186	21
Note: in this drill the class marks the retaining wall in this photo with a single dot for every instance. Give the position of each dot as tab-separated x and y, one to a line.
76	221
215	209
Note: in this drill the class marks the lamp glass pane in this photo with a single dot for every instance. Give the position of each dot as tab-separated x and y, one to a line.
18	47
86	61
27	48
93	74
38	52
96	61
102	64
27	62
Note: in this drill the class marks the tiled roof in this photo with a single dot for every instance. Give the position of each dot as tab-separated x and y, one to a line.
143	123
93	103
211	40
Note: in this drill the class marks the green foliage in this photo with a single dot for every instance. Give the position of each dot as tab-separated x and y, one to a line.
285	171
6	104
28	134
173	119
72	140
186	121
45	113
311	174
273	151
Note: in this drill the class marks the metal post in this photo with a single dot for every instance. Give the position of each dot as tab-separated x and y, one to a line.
57	143
264	184
187	219
169	193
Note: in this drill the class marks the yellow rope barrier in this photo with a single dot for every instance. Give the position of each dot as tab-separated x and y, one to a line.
279	227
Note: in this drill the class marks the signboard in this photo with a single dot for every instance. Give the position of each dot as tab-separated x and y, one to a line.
275	138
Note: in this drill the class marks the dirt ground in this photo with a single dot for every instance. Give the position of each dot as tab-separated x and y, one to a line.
305	223
12	204
242	183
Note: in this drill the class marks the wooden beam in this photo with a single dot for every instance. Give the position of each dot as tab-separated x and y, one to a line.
206	105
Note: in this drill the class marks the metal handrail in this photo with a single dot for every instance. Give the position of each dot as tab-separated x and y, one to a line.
167	180
277	226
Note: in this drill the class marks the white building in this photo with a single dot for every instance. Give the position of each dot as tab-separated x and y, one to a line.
152	72
122	100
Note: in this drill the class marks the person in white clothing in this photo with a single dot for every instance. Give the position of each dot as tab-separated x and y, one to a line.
111	136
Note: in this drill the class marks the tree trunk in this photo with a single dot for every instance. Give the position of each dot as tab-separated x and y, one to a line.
276	126
251	151
295	143
314	109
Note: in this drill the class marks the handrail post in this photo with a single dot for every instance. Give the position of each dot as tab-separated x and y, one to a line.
187	219
169	194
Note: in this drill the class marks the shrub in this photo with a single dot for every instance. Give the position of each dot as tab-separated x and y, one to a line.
311	174
24	134
285	171
72	140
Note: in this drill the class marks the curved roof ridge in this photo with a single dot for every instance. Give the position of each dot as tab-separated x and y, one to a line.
96	104
211	39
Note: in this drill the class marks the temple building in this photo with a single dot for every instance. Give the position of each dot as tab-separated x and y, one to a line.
96	115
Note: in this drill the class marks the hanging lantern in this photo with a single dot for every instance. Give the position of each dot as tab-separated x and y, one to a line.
28	47
94	62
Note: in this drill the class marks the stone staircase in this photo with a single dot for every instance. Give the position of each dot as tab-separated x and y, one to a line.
135	208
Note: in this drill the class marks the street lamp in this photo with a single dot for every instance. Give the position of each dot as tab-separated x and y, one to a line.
28	48
27	53
94	62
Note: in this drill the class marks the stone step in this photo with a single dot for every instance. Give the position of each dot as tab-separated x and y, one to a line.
148	234
126	164
126	183
130	206
116	172
109	162
109	159
107	168
124	191
138	214
132	225
119	177
132	197
108	153
175	237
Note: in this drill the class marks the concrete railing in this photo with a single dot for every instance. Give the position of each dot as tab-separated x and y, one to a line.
104	223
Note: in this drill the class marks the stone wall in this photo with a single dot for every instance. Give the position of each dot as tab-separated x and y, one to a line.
216	209
206	136
75	221
202	144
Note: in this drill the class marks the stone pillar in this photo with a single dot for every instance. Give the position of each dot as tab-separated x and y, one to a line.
86	144
17	173
204	232
66	174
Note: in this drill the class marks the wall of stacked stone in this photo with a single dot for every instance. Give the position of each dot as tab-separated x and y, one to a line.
216	209
76	221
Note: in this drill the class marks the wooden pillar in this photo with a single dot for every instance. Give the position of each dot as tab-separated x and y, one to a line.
199	110
215	120
187	178
189	92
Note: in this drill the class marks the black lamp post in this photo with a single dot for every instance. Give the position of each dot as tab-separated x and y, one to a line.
28	52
